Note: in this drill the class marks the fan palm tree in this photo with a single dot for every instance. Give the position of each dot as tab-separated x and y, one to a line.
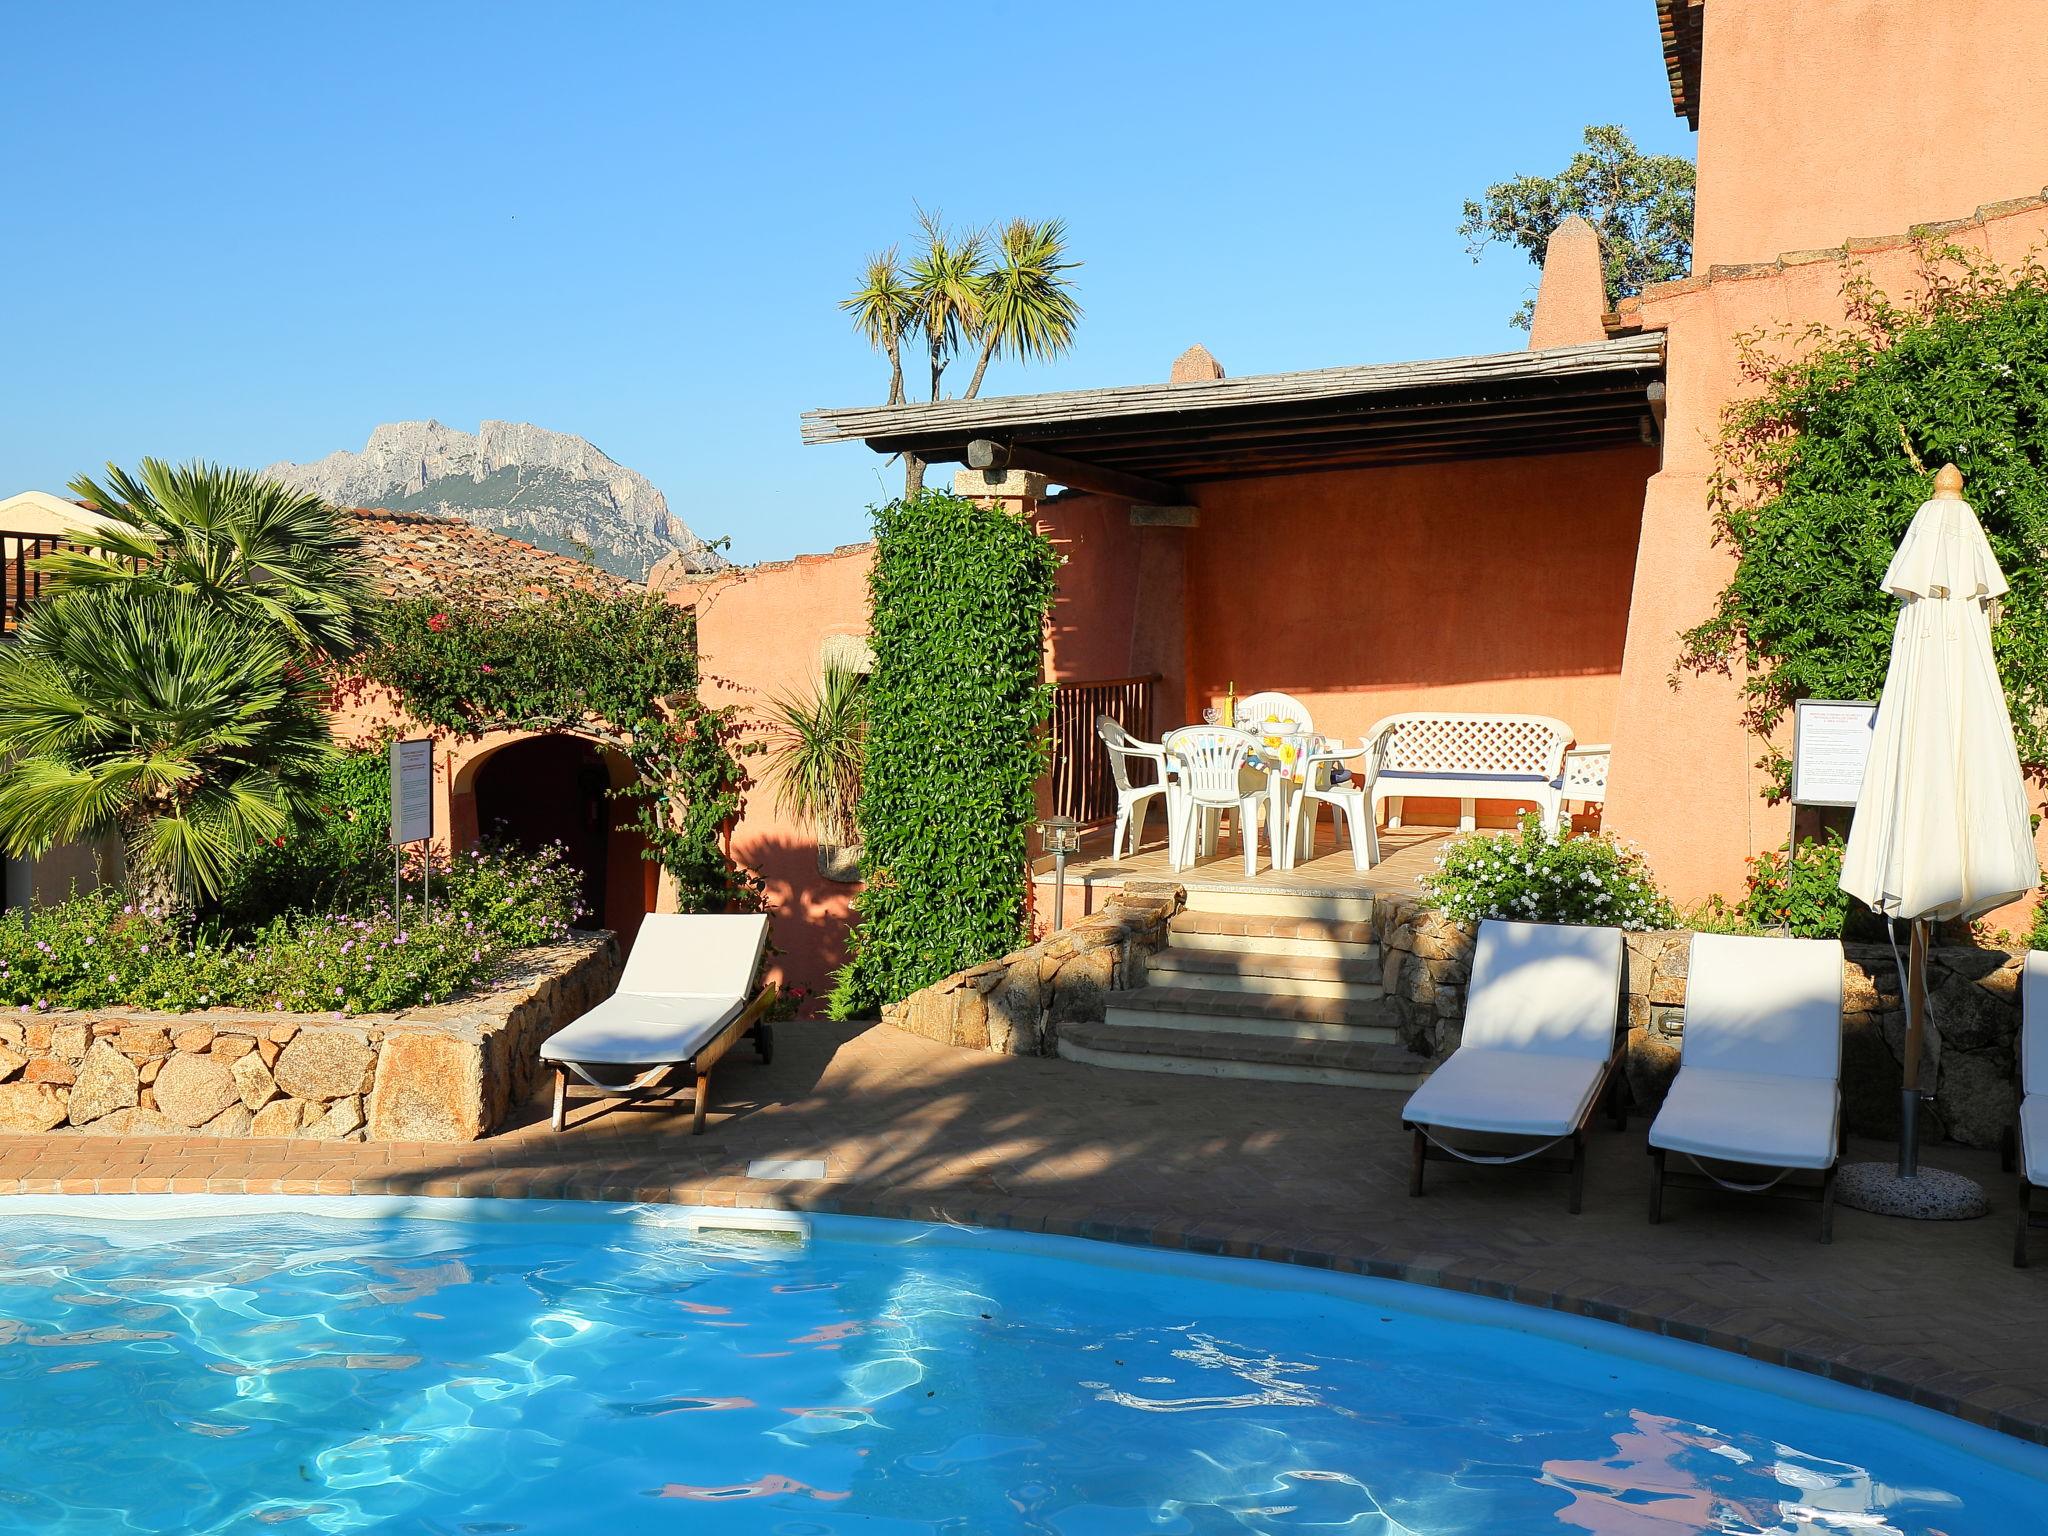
249	546
817	748
1028	309
881	309
158	715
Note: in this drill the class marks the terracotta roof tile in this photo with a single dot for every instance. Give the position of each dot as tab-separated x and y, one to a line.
413	554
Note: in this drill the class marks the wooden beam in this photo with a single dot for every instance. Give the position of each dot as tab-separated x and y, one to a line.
985	453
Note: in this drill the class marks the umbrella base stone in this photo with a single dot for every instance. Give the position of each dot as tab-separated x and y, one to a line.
1931	1195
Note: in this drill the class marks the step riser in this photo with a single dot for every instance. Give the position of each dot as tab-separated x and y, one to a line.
1247	1071
1249	1024
1239	944
1263	986
1336	909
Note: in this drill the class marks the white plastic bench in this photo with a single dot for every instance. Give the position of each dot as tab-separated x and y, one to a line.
1468	758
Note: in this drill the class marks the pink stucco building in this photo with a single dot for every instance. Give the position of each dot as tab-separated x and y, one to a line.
1525	532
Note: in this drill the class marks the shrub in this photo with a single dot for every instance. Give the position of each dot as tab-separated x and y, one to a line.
1817	480
1799	891
1535	875
338	858
955	743
107	950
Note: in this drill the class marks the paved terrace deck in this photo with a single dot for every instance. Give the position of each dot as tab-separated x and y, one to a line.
1316	1176
1405	857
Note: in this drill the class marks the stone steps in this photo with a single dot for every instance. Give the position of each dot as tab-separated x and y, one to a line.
1325	906
1273	975
1272	934
1202	1011
1152	1047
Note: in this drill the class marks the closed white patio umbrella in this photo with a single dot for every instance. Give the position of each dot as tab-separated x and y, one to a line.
1941	831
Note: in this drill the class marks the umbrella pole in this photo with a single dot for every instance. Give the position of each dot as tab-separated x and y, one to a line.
1916	1024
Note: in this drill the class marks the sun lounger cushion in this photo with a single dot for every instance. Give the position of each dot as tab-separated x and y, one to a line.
1539	1030
2034	1138
1544	988
1746	1117
1769	1006
689	975
1508	1093
629	1029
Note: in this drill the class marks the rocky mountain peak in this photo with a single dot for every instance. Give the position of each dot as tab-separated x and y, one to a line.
552	489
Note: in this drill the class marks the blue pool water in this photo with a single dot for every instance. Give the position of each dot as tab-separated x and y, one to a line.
486	1367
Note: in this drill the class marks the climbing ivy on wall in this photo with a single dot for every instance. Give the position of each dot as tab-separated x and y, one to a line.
619	669
955	744
1816	481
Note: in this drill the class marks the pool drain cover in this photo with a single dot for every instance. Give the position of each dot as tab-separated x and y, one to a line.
1931	1195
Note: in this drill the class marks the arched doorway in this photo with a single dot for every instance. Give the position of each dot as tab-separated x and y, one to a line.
557	789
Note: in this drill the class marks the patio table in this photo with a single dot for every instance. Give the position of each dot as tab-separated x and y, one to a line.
1283	757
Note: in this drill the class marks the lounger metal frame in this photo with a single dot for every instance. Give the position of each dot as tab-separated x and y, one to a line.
653	1085
1777	1189
1609	1087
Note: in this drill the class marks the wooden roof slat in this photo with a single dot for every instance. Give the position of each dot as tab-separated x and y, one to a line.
958	420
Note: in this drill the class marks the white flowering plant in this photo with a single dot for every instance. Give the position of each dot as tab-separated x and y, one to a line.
1534	874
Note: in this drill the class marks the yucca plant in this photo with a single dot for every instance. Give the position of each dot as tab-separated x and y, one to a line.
158	715
280	558
817	748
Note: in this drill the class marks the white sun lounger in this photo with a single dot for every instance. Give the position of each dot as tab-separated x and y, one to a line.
2028	1145
682	1003
1539	1049
1760	1072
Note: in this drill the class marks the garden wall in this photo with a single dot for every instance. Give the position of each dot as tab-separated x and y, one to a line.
444	1073
1972	1023
1015	1006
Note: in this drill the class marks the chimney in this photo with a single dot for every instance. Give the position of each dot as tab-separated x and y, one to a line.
1194	365
1573	294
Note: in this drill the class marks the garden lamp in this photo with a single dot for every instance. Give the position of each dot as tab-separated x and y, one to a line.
1061	836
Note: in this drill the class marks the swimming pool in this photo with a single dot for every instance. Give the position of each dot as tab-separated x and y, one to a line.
219	1364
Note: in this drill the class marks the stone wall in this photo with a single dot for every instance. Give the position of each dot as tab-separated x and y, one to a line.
443	1073
1973	1020
1015	1006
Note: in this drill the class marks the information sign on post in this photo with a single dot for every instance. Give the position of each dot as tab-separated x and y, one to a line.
1830	744
412	812
412	791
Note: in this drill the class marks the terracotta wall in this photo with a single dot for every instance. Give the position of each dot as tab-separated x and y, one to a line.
1499	584
1826	119
1118	609
760	632
1684	780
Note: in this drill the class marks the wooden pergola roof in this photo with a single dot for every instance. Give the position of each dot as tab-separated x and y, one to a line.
1146	440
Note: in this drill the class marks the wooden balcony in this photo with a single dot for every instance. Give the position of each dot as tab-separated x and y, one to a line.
20	582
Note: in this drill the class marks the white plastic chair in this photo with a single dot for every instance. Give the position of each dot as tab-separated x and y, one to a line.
1210	764
1133	800
1540	1047
1350	803
1759	1080
1585	780
1255	709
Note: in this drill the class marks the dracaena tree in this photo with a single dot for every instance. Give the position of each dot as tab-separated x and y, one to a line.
156	715
1005	295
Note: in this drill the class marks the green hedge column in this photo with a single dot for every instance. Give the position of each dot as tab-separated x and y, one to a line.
955	744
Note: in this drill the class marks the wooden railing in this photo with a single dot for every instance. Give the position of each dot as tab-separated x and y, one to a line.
1081	784
19	582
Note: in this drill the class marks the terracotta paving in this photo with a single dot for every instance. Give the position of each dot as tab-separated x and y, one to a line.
1309	1175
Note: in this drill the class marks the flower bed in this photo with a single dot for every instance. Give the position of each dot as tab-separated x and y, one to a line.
105	950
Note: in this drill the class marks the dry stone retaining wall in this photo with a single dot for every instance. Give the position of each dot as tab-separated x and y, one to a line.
443	1073
1973	1020
1015	1006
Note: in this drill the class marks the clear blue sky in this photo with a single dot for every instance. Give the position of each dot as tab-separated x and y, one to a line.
252	232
